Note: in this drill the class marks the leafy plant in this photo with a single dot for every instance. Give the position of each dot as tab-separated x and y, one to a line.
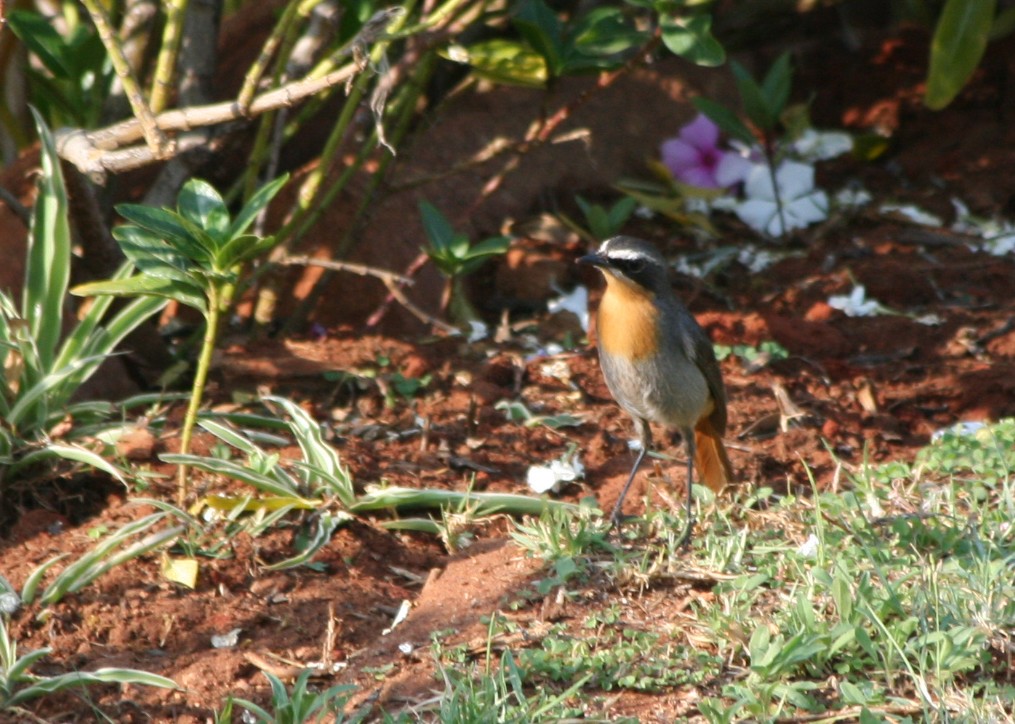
302	704
19	686
194	255
72	81
44	368
319	483
550	46
961	34
602	222
117	548
456	257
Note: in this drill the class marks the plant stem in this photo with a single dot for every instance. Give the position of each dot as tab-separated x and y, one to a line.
215	307
165	66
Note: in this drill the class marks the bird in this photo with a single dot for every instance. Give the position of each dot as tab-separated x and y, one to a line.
659	364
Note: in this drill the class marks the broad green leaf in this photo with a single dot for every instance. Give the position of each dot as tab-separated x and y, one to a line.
691	38
41	38
244	248
777	84
488	247
503	61
959	42
437	228
604	32
542	29
754	99
47	272
151	255
181	234
165	223
257	202
184	292
200	203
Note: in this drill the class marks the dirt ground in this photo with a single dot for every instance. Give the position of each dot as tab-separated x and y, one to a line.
864	386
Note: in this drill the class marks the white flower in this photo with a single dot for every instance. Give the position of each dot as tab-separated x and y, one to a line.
755	259
855	304
802	204
853	197
576	302
822	145
1000	245
549	478
809	548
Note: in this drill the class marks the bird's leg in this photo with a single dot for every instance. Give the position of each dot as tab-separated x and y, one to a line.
645	437
688	436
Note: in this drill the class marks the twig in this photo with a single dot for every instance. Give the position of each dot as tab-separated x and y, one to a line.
16	206
390	279
347	266
165	65
156	140
97	153
100	152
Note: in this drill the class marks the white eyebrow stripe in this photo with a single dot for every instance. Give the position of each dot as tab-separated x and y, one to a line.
626	254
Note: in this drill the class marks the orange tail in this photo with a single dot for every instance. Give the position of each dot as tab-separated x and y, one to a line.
710	457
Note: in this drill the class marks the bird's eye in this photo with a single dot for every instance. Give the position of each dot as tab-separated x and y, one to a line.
633	266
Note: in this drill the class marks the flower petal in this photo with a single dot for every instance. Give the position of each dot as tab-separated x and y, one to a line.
732	169
806	210
794	179
678	154
759	184
757	213
701	132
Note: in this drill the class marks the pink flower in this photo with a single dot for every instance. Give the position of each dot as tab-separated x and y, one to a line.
694	157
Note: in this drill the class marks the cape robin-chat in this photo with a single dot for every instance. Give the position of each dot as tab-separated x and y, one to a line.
658	363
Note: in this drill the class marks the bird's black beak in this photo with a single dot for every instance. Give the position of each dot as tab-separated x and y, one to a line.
595	259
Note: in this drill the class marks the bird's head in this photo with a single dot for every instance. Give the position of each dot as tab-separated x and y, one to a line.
630	261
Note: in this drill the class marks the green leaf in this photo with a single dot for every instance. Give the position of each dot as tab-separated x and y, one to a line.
691	38
200	203
603	33
188	293
503	61
173	229
753	97
726	119
777	84
31	586
542	29
437	228
41	38
244	248
255	204
239	472
47	271
487	247
150	254
959	42
73	453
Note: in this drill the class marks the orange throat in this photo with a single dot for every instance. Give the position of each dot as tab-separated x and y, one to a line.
627	320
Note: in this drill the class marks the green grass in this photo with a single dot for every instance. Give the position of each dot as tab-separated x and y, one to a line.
889	598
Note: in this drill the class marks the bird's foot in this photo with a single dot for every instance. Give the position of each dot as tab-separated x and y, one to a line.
685	539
